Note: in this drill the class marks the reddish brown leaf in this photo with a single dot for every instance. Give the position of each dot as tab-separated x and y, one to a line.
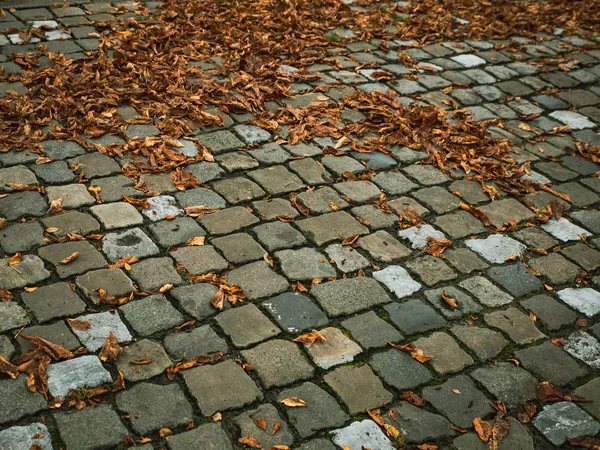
260	423
110	350
413	398
310	338
450	301
590	443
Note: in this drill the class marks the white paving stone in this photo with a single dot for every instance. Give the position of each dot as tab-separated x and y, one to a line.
336	349
102	324
584	347
564	230
56	35
161	207
44	23
362	435
34	436
346	258
418	235
468	60
584	300
564	419
397	280
535	177
575	120
76	373
496	248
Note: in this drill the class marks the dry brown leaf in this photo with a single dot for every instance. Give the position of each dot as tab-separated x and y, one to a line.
415	353
310	338
450	301
293	402
548	393
529	410
194	362
350	240
482	428
250	442
590	443
5	295
413	398
164	432
15	259
79	325
197	241
110	350
275	428
72	257
56	206
3	223
260	423
436	246
268	259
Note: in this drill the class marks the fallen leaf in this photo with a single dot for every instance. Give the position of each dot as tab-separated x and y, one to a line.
310	338
529	410
548	393
260	423
413	398
197	211
110	350
450	301
164	432
250	442
197	241
350	240
293	402
15	259
217	417
415	353
72	257
79	325
436	246
275	428
375	414
56	206
482	428
590	443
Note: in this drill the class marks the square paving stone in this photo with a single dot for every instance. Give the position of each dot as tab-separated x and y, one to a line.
200	259
117	215
7	349
210	436
431	270
358	387
336	349
426	175
239	248
564	230
552	314
322	412
304	264
550	363
555	268
448	357
466	305
584	300
195	299
350	295
89	258
358	191
102	324
536	238
267	412
57	333
464	260
590	219
114	188
29	271
496	248
460	408
485	343
346	258
584	347
205	171
16	401
113	281
84	371
236	161
399	370
295	312
507	382
340	164
459	224
95	165
21	237
374	218
438	199
238	190
154	273
361	433
151	407
72	222
515	278
278	235
563	420
277	180
90	428
220	141
142	350
246	325
200	341
419	425
383	247
501	211
586	257
53	301
151	314
168	233
311	171
397	280
16	175
132	242
414	316
486	292
370	331
220	387
418	235
590	390
161	183
271	153
274	208
23	204
519	326
228	220
35	435
518	438
257	280
73	195
251	134
322	200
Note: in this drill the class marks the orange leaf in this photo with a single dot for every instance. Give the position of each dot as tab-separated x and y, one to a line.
450	301
72	257
250	442
310	338
260	423
293	402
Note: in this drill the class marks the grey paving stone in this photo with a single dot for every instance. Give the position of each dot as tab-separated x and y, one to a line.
322	200
21	237
102	324
590	390
57	333
113	281
399	370
76	373
200	341
374	218
132	242
72	222
277	180
515	278
161	183
461	408
311	171
358	191
236	161
346	258
220	141
23	204
572	119
358	387
7	349
586	257
95	165
210	436
459	224
414	316
563	420
361	433
419	425
151	314
117	215
274	208
536	238
142	350
555	268
552	314
258	280
520	328
370	331
251	134
584	347
350	295
485	343
271	153
227	220
200	197
168	233
590	219
383	247
584	300
407	206
505	381
517	439
238	248
246	325
579	195
151	407
72	195
431	270
501	211
550	363
35	435
238	190
340	164
162	207
29	403
200	259
304	264
90	428
205	171
195	299
466	305
267	412
448	356
53	301
438	199
89	258
154	273
279	235
464	260
29	271
486	292
16	175
496	248
235	388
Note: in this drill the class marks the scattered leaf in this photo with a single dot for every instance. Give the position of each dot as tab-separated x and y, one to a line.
310	338
293	402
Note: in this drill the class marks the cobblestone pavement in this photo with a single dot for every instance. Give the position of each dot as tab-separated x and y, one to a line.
527	299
